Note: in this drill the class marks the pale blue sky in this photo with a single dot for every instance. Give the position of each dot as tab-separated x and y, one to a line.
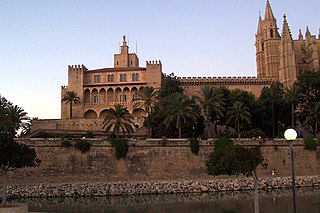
40	38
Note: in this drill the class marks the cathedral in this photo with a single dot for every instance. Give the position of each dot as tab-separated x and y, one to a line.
278	57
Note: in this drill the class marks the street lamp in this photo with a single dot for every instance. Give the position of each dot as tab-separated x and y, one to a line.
290	135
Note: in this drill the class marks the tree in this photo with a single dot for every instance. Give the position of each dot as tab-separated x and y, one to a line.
17	118
272	98
180	110
312	116
238	114
230	159
148	98
118	119
169	85
12	154
71	97
211	103
293	97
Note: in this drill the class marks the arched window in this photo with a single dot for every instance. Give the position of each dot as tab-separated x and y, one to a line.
123	98
135	77
123	77
95	99
134	97
99	78
94	78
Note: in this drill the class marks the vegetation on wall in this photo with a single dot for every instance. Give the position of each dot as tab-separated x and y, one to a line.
310	143
194	145
83	145
120	146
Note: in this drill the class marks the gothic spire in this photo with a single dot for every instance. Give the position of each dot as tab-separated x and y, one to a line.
260	24
308	32
268	14
285	28
300	35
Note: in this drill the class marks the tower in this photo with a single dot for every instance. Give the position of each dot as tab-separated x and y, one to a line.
125	59
288	64
271	40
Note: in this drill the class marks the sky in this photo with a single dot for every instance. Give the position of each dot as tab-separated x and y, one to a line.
39	39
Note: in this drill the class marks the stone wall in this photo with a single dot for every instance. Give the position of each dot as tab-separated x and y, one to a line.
150	161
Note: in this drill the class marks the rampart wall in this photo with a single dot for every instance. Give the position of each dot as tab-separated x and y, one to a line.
150	161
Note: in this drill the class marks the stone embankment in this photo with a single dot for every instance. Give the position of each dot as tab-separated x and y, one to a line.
156	187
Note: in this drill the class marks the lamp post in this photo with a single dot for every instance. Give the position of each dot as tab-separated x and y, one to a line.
290	135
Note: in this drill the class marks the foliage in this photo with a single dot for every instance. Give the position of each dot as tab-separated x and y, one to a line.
179	111
309	86
120	146
147	100
119	120
276	108
194	145
238	114
66	143
170	84
83	145
164	141
312	116
211	102
310	143
13	155
254	133
230	159
71	98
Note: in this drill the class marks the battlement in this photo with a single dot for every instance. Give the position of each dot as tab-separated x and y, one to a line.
77	67
224	80
153	62
64	87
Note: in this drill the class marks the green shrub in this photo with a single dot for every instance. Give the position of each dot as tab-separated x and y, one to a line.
83	145
66	144
194	145
89	135
120	146
310	144
164	141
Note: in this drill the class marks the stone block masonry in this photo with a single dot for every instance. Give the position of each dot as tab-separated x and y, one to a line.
155	187
149	160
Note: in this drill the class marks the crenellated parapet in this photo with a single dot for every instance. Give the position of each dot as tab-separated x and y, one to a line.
229	80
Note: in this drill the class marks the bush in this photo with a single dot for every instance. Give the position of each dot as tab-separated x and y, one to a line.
194	145
66	144
164	141
83	146
310	144
120	146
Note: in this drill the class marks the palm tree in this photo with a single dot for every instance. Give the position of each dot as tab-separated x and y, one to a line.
147	99
118	119
16	118
71	97
293	97
313	116
238	113
211	103
180	110
274	96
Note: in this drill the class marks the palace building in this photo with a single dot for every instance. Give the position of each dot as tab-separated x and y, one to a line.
278	57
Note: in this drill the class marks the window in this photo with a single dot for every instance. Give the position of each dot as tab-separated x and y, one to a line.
96	78
135	77
134	97
123	98
131	62
110	78
123	77
95	99
117	62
